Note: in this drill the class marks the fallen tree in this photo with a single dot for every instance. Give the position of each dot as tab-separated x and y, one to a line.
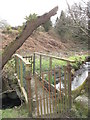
27	31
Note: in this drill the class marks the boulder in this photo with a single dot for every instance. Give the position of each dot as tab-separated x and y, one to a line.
82	99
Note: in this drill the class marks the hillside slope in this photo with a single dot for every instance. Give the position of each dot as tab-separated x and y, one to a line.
41	42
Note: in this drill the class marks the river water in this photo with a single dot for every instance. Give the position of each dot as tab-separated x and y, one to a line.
79	77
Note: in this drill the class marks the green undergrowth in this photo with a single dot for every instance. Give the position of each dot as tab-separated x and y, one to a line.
78	60
61	63
58	63
18	112
79	111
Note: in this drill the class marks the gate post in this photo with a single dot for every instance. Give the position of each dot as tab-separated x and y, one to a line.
69	85
28	80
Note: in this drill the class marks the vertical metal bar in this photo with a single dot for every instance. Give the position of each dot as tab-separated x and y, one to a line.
69	85
65	88
36	94
50	68
43	95
41	105
28	79
37	105
40	65
50	64
47	103
55	89
34	64
49	91
64	91
31	61
53	102
58	104
60	89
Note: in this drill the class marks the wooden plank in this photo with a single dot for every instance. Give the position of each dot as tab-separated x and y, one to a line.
20	57
23	90
63	59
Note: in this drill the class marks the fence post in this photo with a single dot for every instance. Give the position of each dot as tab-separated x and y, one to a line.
28	80
34	64
69	85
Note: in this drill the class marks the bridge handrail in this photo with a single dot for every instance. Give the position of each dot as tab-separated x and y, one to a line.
19	71
64	59
24	60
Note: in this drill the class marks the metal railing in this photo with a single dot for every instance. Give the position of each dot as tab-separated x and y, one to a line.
55	100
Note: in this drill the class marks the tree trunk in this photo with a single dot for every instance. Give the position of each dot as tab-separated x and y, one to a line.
27	31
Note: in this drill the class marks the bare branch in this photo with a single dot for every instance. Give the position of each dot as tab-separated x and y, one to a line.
76	21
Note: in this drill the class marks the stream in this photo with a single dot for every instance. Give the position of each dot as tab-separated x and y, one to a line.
79	78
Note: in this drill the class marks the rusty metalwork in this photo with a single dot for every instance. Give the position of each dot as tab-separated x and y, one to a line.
41	105
49	91
47	104
60	89
54	100
65	74
36	95
40	65
55	89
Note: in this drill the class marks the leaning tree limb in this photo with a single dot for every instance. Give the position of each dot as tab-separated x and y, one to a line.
27	31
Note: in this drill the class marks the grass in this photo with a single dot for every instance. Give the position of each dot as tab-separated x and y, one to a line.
15	112
45	64
79	111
